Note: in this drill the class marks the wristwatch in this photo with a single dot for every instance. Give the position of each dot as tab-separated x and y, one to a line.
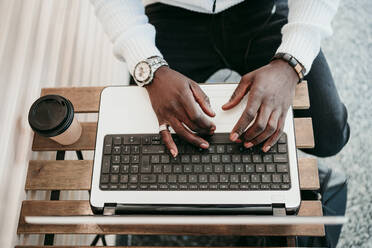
293	62
144	71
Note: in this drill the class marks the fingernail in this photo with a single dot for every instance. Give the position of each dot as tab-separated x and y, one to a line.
213	128
204	145
266	148
234	136
174	153
248	144
238	141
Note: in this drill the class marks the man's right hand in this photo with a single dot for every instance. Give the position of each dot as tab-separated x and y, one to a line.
175	100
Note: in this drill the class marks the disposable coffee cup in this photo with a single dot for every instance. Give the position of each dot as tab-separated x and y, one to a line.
53	116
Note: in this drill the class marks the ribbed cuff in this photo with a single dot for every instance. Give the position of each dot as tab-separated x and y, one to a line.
301	43
137	46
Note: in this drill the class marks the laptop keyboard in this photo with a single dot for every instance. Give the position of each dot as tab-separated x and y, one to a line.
141	162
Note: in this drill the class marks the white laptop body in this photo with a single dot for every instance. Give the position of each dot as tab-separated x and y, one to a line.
127	110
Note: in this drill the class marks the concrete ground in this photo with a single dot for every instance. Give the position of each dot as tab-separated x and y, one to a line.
349	53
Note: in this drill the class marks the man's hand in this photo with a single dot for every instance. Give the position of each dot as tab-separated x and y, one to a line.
270	91
175	100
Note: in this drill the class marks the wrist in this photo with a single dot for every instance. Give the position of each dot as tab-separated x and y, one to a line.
158	74
291	61
285	68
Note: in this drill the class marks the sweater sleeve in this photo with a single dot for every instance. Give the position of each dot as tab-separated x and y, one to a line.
127	26
309	21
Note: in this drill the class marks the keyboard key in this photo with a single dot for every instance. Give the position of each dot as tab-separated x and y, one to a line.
164	159
213	186
114	186
116	150
277	178
265	186
212	149
205	159
255	178
203	178
260	168
229	168
133	186
239	168
283	139
114	178
193	186
195	159
107	149
124	178
146	140
234	178
215	158
255	186
117	140
280	158
106	164
224	186
134	169
275	186
187	168
123	186
256	158
218	168
125	150
198	168
225	158
163	186
282	148
224	178
285	186
244	178
135	149
108	140
213	178
153	149
104	178
183	186
236	158
115	159
246	158
173	186
124	168
162	179
266	178
124	159
268	158
282	168
270	167
249	168
193	178
167	168
182	178
115	169
158	168
177	168
134	159
234	186
143	186
172	178
132	140
208	168
185	159
220	149
155	159
145	169
286	178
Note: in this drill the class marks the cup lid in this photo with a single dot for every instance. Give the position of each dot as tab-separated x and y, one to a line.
51	115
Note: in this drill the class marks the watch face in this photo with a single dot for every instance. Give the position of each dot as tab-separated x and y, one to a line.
142	72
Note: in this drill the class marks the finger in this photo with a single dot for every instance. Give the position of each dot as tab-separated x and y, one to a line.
246	118
193	127
270	129
202	99
195	115
187	135
168	141
239	92
275	137
258	126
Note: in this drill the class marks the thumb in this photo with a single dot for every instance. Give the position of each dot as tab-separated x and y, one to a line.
202	99
240	91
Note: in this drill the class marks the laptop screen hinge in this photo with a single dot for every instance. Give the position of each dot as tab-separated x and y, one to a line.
109	209
279	209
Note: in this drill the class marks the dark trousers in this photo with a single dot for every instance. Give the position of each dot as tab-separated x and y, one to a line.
244	38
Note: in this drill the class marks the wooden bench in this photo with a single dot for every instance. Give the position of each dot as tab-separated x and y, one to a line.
59	175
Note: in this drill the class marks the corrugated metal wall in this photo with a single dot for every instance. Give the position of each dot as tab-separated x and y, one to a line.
43	43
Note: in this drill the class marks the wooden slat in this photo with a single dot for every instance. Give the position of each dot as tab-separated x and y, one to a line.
308	173
303	131
77	174
82	208
86	99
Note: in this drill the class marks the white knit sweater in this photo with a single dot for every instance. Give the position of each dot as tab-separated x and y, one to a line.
133	37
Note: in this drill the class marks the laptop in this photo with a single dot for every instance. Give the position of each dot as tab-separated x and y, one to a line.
134	173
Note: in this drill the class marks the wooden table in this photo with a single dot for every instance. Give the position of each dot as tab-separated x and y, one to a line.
60	174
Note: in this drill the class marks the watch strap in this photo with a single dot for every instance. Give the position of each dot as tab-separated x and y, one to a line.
293	62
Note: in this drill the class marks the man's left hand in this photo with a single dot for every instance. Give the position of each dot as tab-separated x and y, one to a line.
270	90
